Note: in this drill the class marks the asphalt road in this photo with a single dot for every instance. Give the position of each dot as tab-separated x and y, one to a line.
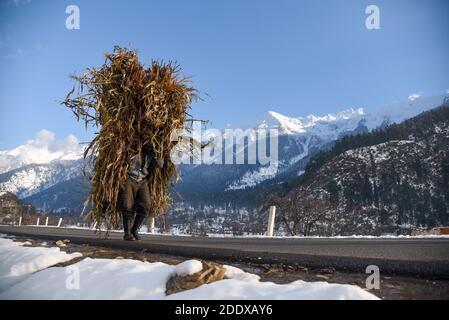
427	258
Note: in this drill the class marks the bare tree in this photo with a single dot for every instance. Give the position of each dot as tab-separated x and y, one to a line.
300	212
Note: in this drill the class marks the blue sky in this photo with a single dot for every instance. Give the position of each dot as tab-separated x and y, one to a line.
246	56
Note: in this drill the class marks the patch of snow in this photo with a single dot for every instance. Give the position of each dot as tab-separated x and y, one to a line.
415	96
239	274
19	261
304	153
252	178
132	279
189	267
232	289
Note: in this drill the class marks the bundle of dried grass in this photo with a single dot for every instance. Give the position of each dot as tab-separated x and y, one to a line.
133	105
211	272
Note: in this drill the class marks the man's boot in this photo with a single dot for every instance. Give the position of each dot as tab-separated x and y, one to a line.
136	225
127	226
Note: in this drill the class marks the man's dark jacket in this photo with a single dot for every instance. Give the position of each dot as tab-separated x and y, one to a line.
140	168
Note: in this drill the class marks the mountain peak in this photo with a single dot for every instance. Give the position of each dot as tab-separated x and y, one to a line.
341	115
286	125
296	125
44	148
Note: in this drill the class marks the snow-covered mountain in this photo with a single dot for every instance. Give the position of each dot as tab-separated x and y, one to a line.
44	169
33	178
40	164
385	181
302	137
332	125
43	149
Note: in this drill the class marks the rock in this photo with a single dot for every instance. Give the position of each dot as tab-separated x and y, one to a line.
66	241
272	272
288	268
266	266
301	268
323	277
327	270
211	272
119	258
60	243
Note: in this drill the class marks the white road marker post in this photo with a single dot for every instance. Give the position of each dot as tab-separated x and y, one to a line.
46	222
151	229
59	223
20	221
271	217
37	222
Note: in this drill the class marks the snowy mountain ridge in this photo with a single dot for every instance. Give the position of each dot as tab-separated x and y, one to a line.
298	125
30	179
388	179
43	149
44	165
333	123
307	133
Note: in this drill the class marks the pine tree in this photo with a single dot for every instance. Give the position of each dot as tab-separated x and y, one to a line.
367	191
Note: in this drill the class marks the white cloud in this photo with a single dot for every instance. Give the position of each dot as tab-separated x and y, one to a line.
17	3
415	96
44	138
43	148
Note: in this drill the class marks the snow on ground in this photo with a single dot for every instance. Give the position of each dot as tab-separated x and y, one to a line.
188	267
19	261
298	290
133	279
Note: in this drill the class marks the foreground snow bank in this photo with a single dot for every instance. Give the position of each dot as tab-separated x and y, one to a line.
243	285
19	261
132	279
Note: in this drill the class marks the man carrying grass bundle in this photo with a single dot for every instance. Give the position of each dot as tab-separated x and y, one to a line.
137	108
134	195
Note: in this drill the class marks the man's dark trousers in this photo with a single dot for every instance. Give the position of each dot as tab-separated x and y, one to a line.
134	196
